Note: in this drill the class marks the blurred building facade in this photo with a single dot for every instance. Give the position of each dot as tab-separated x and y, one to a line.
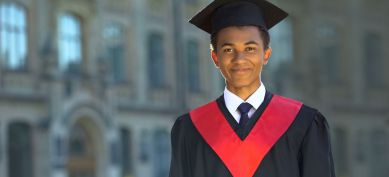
90	88
333	57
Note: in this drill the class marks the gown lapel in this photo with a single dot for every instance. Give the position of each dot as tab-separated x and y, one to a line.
242	157
243	132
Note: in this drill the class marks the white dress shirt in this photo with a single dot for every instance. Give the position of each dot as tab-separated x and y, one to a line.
233	101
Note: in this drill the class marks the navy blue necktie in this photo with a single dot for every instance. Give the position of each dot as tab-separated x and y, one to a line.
244	109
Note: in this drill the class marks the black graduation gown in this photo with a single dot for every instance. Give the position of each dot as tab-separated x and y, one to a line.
304	150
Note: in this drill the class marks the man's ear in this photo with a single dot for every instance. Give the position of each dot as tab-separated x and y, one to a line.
267	55
214	58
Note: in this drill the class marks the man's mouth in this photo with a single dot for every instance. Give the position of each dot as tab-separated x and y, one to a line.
240	70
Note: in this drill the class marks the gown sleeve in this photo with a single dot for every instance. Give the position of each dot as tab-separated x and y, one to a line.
178	165
316	152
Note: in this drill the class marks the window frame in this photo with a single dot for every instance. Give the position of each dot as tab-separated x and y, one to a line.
23	31
27	130
79	41
156	68
115	42
190	70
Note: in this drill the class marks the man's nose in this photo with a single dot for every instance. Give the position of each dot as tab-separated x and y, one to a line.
239	55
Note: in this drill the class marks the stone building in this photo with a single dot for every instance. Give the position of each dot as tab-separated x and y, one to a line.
90	88
338	64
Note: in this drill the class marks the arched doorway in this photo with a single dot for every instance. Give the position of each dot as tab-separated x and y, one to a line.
84	137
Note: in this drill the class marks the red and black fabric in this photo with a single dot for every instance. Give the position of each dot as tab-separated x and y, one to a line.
302	150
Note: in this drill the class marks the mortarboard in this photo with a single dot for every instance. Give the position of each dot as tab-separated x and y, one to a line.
224	13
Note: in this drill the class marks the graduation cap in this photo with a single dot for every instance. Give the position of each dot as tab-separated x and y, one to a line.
224	13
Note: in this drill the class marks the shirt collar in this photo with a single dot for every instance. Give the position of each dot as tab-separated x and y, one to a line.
233	101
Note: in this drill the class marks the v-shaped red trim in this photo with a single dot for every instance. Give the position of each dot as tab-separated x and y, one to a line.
242	158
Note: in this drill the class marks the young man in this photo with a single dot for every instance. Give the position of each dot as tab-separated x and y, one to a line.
248	131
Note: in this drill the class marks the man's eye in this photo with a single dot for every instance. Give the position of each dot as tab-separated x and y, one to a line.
227	50
250	49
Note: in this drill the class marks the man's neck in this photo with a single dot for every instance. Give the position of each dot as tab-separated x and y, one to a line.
244	92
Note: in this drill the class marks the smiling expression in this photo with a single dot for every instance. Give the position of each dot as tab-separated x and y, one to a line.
240	56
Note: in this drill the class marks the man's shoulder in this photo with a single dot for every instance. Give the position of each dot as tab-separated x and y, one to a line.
304	106
185	119
307	119
180	125
182	119
309	116
307	112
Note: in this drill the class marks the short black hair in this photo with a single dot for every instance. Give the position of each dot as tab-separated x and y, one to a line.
263	32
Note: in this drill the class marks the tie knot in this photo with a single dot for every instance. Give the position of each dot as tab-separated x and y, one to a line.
244	108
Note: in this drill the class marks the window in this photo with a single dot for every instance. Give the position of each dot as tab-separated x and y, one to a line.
373	59
13	36
341	151
360	145
19	150
156	60
161	152
58	156
192	56
378	153
114	39
78	141
329	54
282	42
114	153
144	146
282	55
81	153
125	137
69	43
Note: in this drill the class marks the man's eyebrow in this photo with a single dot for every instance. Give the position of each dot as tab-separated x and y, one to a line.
227	44
251	42
247	43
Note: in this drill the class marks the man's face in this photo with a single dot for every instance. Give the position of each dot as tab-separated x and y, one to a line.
240	56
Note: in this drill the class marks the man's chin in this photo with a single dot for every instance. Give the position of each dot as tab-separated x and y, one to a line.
240	85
